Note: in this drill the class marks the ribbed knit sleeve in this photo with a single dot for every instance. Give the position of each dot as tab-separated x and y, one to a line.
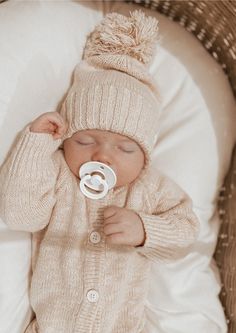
27	182
172	227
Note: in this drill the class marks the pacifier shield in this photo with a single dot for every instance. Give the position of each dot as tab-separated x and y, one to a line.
96	179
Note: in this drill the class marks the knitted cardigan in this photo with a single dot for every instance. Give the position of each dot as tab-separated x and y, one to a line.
80	283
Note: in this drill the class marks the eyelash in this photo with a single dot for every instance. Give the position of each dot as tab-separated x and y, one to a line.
120	148
84	143
126	151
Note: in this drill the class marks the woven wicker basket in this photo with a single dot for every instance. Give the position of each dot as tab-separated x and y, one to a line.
213	23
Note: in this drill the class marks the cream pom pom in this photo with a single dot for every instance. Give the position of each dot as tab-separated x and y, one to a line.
135	36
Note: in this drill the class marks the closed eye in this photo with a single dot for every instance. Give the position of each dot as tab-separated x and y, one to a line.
127	149
85	143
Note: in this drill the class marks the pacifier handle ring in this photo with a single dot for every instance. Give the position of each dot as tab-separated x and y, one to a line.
89	194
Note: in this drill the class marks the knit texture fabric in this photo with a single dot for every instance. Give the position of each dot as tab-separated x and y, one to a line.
80	283
113	101
112	88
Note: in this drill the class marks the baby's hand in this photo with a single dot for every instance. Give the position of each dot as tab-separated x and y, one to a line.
51	123
123	226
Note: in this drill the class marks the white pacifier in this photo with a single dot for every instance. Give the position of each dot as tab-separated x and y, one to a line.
96	179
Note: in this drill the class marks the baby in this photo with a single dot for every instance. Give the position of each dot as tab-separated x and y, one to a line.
91	267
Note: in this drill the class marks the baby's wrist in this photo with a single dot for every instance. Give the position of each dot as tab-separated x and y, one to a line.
142	242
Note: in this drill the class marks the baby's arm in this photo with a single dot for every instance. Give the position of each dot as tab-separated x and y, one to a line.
172	227
28	176
164	234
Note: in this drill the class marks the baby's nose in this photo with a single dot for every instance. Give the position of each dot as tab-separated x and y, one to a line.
102	156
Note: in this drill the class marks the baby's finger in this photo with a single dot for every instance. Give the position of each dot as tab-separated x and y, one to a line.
60	120
56	136
55	120
62	129
112	228
60	126
50	127
59	131
110	211
116	239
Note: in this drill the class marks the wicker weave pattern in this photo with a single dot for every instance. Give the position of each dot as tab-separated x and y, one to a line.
214	24
226	248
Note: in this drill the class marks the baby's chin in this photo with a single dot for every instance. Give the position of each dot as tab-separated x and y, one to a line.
123	183
75	173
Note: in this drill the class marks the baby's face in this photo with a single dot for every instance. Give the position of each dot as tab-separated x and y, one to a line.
119	152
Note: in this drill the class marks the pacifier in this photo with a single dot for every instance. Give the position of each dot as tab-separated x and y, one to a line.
96	179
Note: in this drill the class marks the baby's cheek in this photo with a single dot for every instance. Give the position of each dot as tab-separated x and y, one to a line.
125	175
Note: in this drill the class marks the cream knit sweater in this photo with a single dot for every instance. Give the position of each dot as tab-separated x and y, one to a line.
81	284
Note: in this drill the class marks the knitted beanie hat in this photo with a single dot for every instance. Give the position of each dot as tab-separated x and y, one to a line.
112	89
